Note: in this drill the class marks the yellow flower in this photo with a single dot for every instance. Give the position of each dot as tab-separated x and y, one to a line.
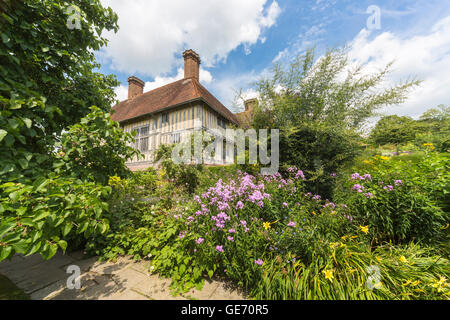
328	274
368	162
266	225
384	158
406	283
379	259
114	180
445	227
439	285
313	213
344	237
415	283
429	145
403	259
365	229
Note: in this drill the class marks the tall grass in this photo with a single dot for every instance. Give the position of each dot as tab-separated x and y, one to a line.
407	272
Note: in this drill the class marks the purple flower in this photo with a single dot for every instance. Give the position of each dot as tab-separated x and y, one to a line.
369	195
300	174
291	224
259	262
333	174
317	197
355	176
358	187
199	240
230	238
239	205
219	248
388	188
398	182
232	230
285	204
367	176
182	234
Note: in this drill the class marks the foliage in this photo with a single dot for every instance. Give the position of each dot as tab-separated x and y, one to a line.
48	82
319	106
273	239
400	200
47	79
321	151
352	271
95	149
41	217
327	90
182	174
432	127
393	129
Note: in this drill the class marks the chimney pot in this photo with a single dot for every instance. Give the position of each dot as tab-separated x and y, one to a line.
191	64
135	87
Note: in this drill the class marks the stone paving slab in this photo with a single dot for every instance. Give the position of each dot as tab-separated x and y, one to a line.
124	279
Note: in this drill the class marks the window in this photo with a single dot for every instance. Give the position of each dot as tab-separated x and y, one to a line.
175	138
141	139
165	118
155	124
221	122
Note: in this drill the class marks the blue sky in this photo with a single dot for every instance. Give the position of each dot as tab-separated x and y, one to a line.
239	40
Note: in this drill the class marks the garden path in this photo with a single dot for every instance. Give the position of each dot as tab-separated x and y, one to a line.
123	280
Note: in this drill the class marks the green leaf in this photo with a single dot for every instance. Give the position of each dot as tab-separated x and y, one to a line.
27	122
182	269
41	215
5	252
62	245
3	133
66	229
21	246
23	163
4	228
40	183
210	273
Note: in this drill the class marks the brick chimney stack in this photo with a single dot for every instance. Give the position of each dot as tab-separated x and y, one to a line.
250	104
135	87
191	64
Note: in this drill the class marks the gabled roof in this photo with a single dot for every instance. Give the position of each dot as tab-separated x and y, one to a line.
168	96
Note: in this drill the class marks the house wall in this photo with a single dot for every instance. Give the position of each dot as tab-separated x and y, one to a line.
180	125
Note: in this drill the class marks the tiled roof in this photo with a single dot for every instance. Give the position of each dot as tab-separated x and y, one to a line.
165	97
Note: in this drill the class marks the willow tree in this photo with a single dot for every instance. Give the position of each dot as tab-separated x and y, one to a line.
320	106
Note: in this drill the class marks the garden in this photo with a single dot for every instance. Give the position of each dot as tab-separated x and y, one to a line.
351	213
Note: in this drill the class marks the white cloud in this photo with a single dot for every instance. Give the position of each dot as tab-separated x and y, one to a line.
159	81
153	33
426	57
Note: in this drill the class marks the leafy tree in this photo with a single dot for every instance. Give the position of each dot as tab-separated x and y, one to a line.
328	90
323	104
48	83
47	78
95	149
393	129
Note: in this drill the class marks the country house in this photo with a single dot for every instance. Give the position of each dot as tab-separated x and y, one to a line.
171	113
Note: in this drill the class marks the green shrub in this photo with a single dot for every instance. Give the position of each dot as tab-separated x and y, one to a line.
51	213
184	175
389	198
